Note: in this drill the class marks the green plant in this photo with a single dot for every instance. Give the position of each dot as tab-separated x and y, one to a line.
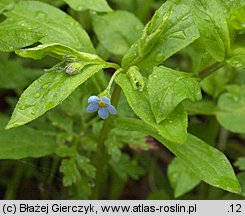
188	60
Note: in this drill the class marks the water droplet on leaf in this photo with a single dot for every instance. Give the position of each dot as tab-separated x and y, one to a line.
23	107
45	86
159	57
179	35
185	17
193	38
37	95
40	14
141	88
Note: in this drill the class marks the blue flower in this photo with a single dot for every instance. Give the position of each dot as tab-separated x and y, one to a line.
102	105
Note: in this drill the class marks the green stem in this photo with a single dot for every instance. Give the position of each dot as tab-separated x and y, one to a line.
14	183
112	65
106	92
209	70
101	157
113	77
223	137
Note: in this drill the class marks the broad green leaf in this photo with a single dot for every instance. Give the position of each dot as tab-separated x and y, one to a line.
202	107
240	163
32	21
167	88
215	83
54	49
210	17
237	18
47	92
237	58
173	128
181	177
208	163
14	76
71	172
59	51
15	34
171	29
24	142
117	31
141	8
6	5
126	168
96	5
231	114
200	58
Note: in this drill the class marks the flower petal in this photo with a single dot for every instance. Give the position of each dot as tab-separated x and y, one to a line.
106	100
93	107
93	99
103	112
111	109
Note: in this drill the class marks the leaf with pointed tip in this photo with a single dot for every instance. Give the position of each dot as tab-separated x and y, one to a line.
117	30
168	87
173	128
96	5
208	163
164	35
33	21
211	18
181	177
47	92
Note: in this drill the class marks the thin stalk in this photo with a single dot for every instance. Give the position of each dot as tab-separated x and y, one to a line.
112	65
14	183
223	137
209	70
101	157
